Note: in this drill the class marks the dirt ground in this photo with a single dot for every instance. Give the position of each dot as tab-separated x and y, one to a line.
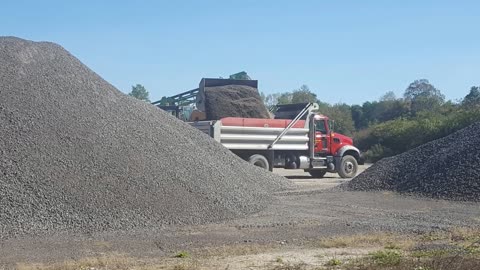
284	231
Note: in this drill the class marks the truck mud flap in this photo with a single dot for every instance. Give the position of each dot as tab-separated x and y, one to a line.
270	157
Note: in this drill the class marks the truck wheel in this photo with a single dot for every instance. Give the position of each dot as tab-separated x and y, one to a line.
317	173
259	160
348	167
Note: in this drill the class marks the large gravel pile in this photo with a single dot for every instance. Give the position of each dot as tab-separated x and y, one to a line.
447	168
77	155
234	101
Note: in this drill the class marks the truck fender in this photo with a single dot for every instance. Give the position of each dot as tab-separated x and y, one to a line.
347	149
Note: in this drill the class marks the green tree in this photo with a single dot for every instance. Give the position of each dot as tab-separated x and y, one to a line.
342	114
303	95
389	96
423	96
365	115
389	108
285	98
357	116
472	98
139	92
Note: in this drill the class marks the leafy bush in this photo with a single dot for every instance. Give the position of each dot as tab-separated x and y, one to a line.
386	257
402	134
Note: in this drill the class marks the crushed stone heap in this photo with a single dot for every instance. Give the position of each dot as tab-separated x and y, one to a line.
447	168
234	101
77	155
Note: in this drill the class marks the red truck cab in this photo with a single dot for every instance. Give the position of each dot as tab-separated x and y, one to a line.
309	144
328	143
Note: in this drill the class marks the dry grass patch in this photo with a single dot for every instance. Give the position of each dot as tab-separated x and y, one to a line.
366	240
464	234
409	263
113	261
457	248
288	266
236	250
456	234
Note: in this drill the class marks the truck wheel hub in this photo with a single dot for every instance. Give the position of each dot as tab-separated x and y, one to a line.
349	167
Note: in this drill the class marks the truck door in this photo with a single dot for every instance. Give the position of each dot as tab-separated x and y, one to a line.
322	143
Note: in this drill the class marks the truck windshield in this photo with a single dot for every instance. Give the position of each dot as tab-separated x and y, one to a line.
320	126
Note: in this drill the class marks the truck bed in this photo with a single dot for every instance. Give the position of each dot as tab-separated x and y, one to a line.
255	134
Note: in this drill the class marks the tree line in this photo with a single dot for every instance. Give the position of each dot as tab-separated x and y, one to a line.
392	125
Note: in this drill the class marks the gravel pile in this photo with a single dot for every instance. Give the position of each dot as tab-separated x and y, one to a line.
78	156
447	168
234	101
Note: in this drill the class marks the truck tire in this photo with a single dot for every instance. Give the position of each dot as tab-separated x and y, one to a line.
259	160
348	167
317	173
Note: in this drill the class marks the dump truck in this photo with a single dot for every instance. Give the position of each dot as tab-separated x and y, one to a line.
298	138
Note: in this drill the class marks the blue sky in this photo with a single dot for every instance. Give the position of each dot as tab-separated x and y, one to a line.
345	51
